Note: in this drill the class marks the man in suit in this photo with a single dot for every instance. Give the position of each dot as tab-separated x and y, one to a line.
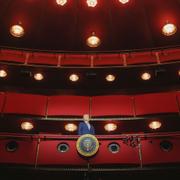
85	127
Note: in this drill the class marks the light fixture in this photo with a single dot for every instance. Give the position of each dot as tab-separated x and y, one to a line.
179	72
166	145
3	73
17	30
110	78
63	147
123	1
61	2
27	126
155	125
38	76
93	41
70	127
92	3
146	76
12	146
114	148
110	127
73	77
169	29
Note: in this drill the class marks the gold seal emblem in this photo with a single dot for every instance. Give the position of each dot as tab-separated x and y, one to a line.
87	145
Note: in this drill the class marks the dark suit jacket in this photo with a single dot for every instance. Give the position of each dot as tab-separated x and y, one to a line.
83	129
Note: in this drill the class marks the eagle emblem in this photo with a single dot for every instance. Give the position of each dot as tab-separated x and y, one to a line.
87	145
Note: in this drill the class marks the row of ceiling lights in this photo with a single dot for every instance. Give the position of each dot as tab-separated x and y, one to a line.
71	127
93	41
75	77
90	3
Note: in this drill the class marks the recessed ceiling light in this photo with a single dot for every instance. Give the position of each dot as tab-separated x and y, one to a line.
155	125
110	78
146	76
93	41
61	2
3	73
92	3
123	1
110	127
74	77
17	31
27	126
38	76
169	29
70	127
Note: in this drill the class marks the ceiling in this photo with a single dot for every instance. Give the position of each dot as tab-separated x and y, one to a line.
135	25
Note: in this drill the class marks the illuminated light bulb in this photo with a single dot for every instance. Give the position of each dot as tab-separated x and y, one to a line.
92	3
74	77
169	29
61	2
70	127
179	72
93	41
17	31
27	126
155	125
110	78
146	76
38	76
110	127
123	1
3	73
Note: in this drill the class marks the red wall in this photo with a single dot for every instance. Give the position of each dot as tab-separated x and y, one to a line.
111	105
48	155
115	59
126	155
68	105
25	104
25	154
153	154
156	103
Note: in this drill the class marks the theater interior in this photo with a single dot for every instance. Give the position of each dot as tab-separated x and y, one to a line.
116	60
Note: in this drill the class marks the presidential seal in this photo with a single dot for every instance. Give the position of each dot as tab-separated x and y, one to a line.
87	145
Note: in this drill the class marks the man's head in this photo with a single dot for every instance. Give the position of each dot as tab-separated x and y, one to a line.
86	117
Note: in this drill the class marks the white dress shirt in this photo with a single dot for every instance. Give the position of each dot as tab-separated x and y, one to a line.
88	125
